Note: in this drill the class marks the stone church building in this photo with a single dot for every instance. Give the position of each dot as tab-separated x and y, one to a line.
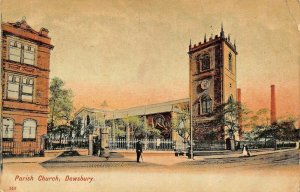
212	65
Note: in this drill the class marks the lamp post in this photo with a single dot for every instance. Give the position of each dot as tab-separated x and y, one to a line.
191	110
1	103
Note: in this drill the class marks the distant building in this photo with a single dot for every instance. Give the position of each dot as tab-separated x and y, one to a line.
25	82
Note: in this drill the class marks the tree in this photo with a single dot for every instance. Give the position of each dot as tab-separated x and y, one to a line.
60	105
75	126
180	123
289	131
225	117
148	130
139	128
135	124
119	129
261	126
283	129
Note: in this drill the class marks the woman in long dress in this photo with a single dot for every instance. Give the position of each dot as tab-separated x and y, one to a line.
245	151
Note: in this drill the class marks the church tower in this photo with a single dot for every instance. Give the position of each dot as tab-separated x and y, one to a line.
212	65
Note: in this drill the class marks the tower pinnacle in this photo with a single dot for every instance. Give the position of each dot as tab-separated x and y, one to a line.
222	31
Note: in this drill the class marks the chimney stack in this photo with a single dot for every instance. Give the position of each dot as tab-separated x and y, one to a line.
239	96
273	104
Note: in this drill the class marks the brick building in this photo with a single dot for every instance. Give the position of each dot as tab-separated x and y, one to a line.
25	83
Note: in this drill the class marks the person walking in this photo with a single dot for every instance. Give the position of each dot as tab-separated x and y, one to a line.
139	151
246	152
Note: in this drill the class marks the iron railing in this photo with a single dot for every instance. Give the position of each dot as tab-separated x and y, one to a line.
65	142
15	148
148	144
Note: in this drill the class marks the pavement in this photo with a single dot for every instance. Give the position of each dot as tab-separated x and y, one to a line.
266	170
157	157
238	154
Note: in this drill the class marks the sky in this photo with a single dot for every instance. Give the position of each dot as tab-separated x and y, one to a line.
132	53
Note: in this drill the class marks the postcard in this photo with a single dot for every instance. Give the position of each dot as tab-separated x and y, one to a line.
129	95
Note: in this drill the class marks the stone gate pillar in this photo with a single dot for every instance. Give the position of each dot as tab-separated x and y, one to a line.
90	144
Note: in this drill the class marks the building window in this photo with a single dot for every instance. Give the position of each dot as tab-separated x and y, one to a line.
20	87
230	61
205	104
205	62
8	128
198	62
29	129
21	52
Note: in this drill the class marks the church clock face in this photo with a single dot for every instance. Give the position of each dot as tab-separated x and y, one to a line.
205	84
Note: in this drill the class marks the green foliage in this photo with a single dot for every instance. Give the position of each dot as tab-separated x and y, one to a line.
62	130
180	123
284	129
61	107
226	115
281	130
75	127
60	103
150	131
119	128
136	125
139	128
119	133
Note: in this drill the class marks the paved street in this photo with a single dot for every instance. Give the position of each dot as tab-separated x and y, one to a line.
277	171
267	159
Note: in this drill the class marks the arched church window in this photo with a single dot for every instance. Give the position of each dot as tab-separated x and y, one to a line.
198	62
159	121
230	61
206	104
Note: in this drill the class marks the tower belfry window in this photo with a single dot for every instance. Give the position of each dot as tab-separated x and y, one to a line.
230	61
205	62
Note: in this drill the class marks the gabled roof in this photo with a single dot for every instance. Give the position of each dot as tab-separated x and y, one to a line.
163	107
23	25
23	30
91	110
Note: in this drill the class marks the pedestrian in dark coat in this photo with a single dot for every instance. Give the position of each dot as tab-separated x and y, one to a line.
139	150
